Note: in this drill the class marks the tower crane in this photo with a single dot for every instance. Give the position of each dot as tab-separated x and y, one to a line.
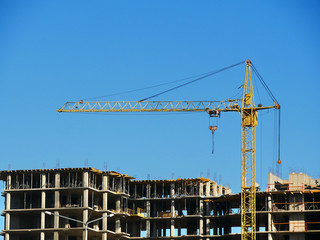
249	120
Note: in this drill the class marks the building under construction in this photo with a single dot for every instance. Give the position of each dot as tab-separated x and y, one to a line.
75	203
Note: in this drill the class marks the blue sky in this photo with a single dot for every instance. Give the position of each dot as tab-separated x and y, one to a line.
58	51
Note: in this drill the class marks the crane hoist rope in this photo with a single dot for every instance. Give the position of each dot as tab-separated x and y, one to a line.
249	120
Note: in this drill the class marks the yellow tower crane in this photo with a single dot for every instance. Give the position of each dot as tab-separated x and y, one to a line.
249	120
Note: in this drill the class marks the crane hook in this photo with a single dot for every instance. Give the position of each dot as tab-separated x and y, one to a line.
213	129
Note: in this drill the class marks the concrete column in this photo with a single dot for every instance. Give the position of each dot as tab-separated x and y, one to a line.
207	224
207	189
172	228
56	205
85	196
42	235
270	220
173	211
8	196
7	224
57	192
201	210
118	225
43	205
85	179
118	210
9	181
148	195
8	207
201	188
148	220
118	205
57	180
43	192
105	205
219	190
148	191
215	192
104	236
7	236
208	184
201	218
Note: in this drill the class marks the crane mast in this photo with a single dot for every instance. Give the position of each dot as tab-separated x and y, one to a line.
248	159
248	112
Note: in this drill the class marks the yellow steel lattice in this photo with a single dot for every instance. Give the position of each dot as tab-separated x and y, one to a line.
248	178
150	106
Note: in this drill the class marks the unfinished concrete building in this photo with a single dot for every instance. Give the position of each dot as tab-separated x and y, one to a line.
68	203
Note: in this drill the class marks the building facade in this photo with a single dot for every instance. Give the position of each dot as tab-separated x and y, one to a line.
64	203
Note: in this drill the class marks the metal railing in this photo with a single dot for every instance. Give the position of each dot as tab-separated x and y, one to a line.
298	206
297	227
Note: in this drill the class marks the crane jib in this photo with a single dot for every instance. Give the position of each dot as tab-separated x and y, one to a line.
149	106
210	107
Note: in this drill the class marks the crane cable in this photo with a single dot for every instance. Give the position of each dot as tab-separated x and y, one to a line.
264	84
279	161
144	88
149	87
213	128
212	143
275	101
192	81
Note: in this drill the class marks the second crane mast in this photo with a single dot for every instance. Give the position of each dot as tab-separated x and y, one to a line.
248	112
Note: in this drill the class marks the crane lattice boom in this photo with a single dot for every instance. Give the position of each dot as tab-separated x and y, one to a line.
150	106
154	106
